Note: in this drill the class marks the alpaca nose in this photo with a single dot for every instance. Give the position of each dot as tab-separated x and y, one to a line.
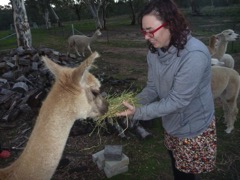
104	107
104	94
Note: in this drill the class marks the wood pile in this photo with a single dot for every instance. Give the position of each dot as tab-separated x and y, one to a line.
24	81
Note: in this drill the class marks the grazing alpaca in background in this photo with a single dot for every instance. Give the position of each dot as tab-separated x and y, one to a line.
74	95
225	84
81	42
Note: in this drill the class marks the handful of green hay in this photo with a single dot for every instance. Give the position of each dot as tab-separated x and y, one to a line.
115	104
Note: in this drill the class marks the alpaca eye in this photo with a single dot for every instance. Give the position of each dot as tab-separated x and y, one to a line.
95	93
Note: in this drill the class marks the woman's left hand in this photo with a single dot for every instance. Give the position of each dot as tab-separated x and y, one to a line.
130	110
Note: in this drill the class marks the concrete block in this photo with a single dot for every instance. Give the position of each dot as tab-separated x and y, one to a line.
113	152
95	156
110	173
99	159
114	165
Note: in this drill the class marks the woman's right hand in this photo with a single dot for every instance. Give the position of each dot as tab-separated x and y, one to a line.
130	110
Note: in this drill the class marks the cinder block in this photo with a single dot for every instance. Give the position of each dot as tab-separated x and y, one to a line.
114	165
109	173
100	164
96	155
99	159
113	152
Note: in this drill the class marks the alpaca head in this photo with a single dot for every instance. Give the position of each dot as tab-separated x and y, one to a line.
98	32
227	35
77	89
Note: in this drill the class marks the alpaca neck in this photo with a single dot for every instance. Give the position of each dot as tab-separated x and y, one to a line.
94	37
221	49
45	146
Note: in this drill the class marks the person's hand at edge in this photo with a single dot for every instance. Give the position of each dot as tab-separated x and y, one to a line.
129	111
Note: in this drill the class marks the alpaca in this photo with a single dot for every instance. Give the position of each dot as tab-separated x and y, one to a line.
221	47
225	85
212	45
81	42
216	62
228	61
74	95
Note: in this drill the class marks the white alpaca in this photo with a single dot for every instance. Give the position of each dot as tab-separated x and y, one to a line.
216	62
226	85
74	95
81	42
221	47
228	61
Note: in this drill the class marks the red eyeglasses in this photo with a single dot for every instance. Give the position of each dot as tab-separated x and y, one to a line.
151	33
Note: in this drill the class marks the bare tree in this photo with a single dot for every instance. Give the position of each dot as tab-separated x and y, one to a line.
78	4
195	7
105	3
133	13
23	32
55	16
44	4
94	6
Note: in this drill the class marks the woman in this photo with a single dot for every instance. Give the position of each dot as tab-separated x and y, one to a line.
178	90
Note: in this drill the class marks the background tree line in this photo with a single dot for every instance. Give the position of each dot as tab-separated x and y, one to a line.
47	12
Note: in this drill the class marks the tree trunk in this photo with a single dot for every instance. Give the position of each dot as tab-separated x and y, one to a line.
77	11
47	19
195	7
22	28
105	3
133	13
56	16
212	3
95	12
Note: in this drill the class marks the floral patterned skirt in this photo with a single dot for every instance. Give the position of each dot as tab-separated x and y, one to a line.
194	155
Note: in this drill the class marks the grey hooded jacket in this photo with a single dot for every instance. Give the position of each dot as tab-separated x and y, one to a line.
179	90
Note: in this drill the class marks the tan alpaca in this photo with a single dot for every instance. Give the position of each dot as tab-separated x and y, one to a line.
226	85
74	95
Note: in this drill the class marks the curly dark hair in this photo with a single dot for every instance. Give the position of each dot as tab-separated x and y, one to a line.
167	11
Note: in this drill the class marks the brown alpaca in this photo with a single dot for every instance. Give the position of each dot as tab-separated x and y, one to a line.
74	95
212	45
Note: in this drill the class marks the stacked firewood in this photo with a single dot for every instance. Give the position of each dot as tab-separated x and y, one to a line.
24	81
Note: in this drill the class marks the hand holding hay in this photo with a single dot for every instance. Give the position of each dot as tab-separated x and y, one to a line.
122	105
117	105
129	111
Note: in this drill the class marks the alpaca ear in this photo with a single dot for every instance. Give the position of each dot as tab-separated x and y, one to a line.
80	73
52	66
